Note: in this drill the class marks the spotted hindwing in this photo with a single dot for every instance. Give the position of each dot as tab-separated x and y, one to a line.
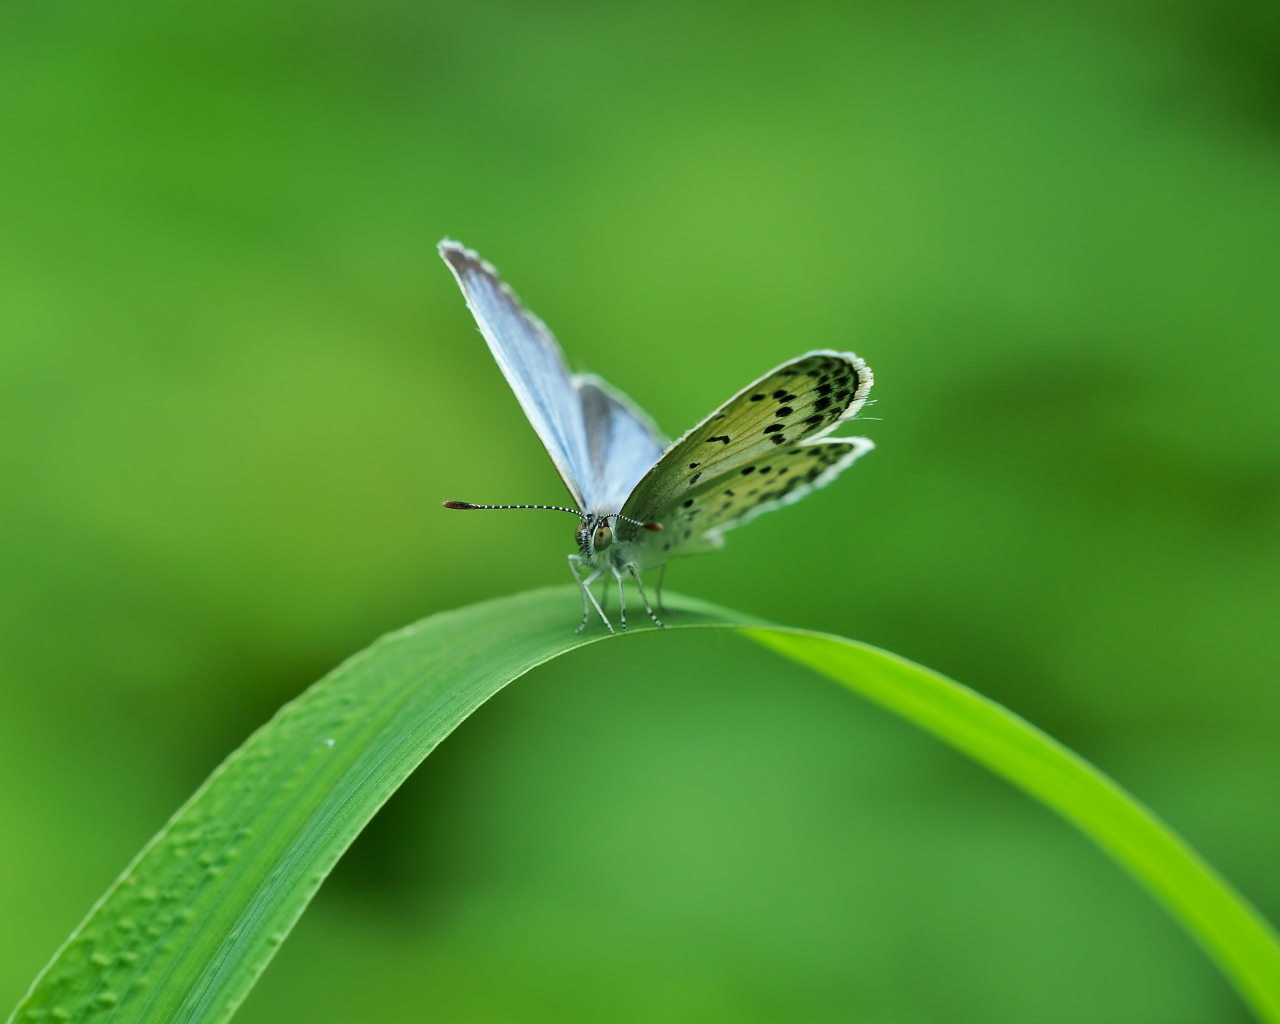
762	449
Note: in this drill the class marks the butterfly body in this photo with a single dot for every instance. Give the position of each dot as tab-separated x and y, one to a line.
639	500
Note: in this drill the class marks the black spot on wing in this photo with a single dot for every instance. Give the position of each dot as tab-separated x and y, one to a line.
719	437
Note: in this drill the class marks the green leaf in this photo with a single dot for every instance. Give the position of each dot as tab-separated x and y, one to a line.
187	929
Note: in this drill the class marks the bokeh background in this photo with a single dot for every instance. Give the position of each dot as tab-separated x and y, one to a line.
236	382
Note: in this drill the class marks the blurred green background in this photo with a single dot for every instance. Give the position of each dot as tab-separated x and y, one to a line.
236	382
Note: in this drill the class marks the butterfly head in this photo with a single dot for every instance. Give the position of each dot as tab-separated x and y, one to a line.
595	534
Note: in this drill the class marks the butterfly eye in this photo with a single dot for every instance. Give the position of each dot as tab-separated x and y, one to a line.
603	538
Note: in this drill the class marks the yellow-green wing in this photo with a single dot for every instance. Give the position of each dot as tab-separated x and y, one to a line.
762	449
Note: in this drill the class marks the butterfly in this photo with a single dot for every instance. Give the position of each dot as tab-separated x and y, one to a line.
640	501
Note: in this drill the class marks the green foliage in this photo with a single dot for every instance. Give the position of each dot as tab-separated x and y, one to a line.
183	935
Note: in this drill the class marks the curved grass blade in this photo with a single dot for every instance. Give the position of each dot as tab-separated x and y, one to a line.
1231	931
188	928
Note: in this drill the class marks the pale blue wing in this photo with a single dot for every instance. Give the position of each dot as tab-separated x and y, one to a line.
623	442
535	368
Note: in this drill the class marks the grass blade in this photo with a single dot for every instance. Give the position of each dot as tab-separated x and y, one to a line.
185	932
1231	931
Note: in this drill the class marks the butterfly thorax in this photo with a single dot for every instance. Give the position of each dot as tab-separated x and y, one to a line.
600	543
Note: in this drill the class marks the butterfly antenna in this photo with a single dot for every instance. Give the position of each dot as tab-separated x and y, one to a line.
554	508
643	526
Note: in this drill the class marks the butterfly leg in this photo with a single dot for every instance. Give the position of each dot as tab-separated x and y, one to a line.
586	608
662	575
575	565
622	598
635	574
